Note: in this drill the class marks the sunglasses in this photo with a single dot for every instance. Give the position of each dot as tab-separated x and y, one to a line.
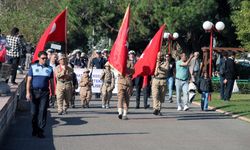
44	58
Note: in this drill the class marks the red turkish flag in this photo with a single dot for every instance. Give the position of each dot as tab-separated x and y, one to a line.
119	52
55	32
146	64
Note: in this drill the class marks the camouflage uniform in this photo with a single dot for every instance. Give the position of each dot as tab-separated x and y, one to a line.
85	90
159	86
108	85
125	88
63	87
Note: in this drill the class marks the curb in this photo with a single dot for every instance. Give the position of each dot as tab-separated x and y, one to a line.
225	112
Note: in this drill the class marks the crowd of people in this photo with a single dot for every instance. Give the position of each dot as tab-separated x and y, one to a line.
52	79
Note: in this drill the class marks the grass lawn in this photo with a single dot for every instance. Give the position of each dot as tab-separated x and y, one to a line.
239	104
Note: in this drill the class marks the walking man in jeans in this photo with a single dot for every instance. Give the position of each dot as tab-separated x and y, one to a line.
13	54
37	92
181	82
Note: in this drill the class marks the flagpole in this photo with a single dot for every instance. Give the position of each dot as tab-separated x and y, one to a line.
66	42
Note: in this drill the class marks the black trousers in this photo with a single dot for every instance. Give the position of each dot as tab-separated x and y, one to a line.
14	61
137	95
146	94
39	105
229	89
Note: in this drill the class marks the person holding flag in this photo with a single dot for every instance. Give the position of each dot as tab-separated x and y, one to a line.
159	83
125	89
118	59
150	63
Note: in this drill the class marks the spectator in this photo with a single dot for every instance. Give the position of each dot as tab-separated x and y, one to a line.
222	74
205	88
105	54
49	53
230	76
194	67
13	54
76	61
23	52
98	62
28	57
170	77
53	63
84	60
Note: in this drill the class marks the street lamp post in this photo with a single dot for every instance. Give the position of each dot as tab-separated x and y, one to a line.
209	26
170	38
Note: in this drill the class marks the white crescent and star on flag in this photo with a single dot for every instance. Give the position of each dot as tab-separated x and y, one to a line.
53	28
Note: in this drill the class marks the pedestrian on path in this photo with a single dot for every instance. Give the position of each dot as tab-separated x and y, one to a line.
170	77
85	90
205	88
181	82
64	78
14	52
37	92
230	75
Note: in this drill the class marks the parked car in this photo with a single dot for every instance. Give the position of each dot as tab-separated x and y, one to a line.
243	66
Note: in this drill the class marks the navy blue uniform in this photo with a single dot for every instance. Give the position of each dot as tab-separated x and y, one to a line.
40	74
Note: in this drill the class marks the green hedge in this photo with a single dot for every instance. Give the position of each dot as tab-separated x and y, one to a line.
244	86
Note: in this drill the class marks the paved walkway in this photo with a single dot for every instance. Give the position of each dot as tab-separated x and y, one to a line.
100	129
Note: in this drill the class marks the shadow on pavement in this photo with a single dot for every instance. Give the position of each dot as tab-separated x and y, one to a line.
101	134
61	121
19	136
182	116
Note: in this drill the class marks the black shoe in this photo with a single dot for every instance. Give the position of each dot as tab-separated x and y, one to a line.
60	113
64	112
14	83
40	130
147	106
170	100
120	116
159	113
40	135
155	112
73	106
34	133
137	107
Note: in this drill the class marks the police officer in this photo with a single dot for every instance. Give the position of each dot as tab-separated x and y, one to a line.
159	84
125	88
108	85
37	91
64	76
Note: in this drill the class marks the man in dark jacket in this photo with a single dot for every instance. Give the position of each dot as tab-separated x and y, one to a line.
98	63
230	75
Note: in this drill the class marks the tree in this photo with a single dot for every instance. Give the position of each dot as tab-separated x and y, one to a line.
89	22
241	20
31	17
